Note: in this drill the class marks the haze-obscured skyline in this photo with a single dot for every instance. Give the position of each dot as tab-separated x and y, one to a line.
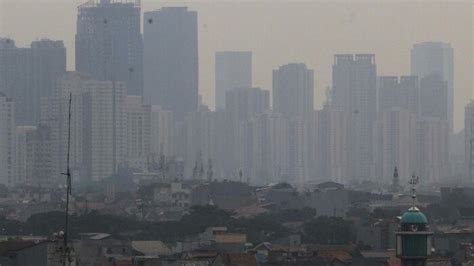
285	31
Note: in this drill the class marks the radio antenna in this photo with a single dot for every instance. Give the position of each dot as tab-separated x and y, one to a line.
66	248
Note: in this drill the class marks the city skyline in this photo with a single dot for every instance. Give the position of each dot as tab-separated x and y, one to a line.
276	47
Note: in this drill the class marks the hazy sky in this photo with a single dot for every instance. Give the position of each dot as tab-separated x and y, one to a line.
280	32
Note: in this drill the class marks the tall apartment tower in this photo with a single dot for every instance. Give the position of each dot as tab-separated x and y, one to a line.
430	58
432	149
7	141
138	131
329	144
109	44
398	92
28	74
354	91
394	144
98	124
469	139
171	60
233	69
293	90
433	97
162	132
265	149
242	104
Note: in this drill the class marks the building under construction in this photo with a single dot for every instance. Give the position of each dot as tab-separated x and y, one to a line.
109	44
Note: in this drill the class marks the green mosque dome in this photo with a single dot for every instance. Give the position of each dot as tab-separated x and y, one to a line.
413	216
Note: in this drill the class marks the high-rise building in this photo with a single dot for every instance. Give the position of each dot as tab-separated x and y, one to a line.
430	58
433	97
138	128
394	144
98	125
265	149
398	92
233	69
34	156
469	139
25	153
162	132
27	74
293	90
242	104
198	142
329	145
109	44
354	91
7	141
44	171
171	60
432	149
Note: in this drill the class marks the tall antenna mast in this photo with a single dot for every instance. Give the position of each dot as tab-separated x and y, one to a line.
66	250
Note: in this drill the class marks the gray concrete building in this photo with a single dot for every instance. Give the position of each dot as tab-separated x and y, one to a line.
233	69
109	44
428	58
171	60
27	74
293	90
354	91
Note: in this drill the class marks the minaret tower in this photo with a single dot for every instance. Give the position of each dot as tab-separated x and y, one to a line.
414	237
395	181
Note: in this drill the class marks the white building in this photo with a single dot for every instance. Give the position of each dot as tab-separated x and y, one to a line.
162	132
138	128
98	125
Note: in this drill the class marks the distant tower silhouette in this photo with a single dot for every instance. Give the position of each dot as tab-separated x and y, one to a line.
395	181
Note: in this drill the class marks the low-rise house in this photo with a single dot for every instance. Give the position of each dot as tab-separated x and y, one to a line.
235	259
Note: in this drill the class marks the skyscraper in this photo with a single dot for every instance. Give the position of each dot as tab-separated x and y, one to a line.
27	74
242	104
430	58
433	97
354	91
293	90
7	140
233	69
162	128
109	44
171	59
98	128
469	139
329	144
265	149
398	92
394	144
138	131
432	149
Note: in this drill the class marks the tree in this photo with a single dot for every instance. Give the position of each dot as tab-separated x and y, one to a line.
329	230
